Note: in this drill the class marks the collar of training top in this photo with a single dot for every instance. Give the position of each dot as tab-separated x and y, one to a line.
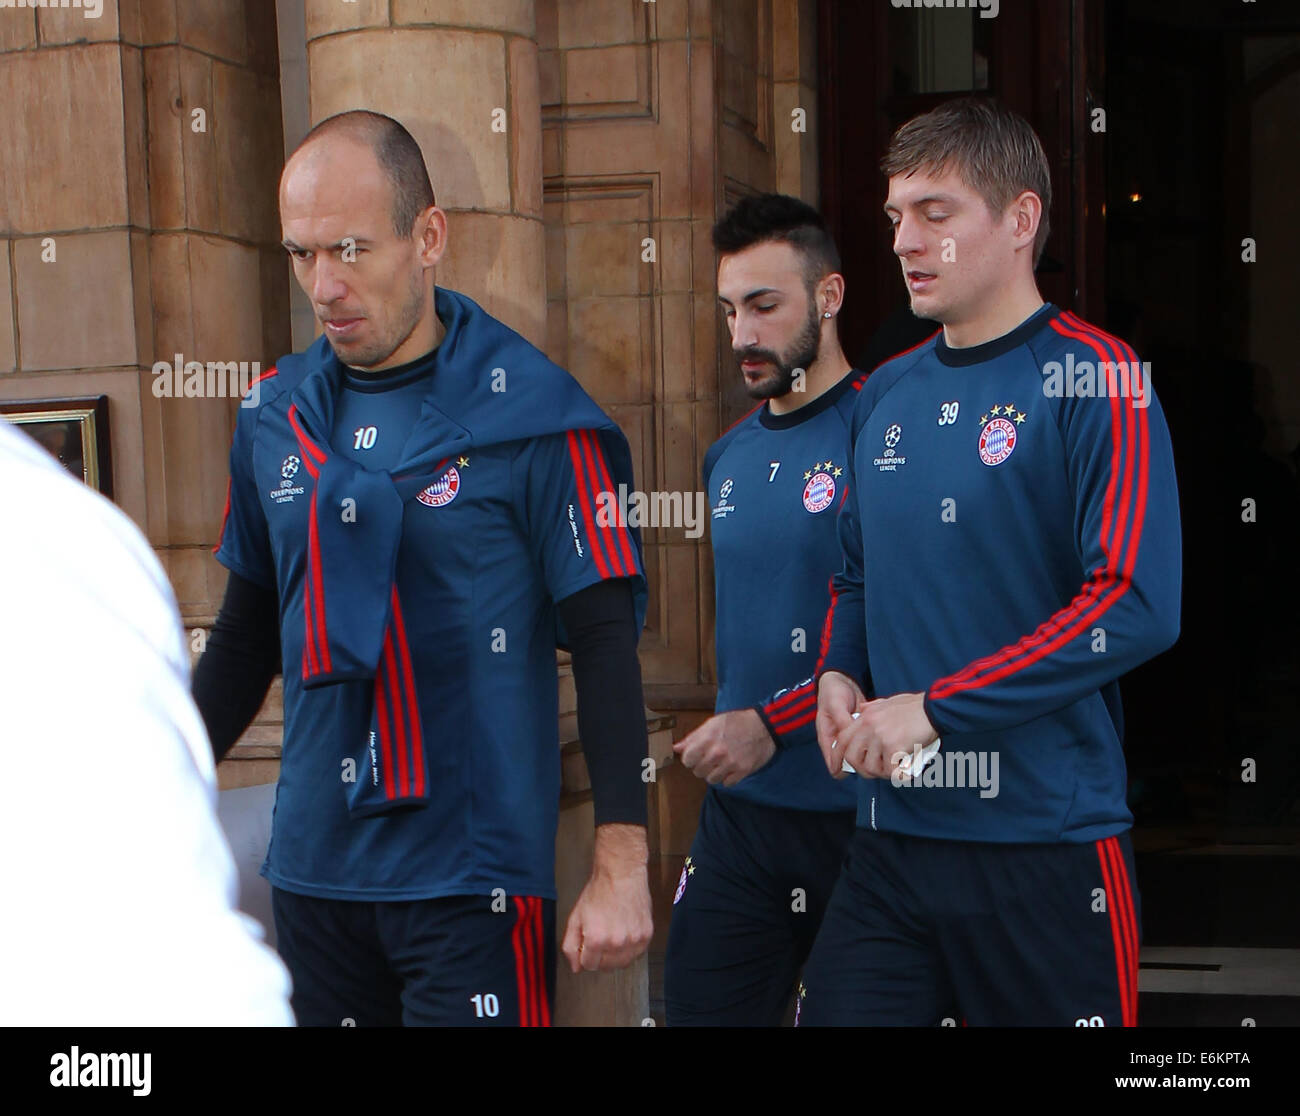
489	385
977	354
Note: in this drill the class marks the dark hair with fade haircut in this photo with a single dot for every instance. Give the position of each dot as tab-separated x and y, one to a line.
397	154
992	149
765	217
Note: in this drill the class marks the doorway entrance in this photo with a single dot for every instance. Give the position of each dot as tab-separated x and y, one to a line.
1170	127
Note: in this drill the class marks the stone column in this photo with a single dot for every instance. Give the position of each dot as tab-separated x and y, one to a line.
146	156
461	75
794	96
74	261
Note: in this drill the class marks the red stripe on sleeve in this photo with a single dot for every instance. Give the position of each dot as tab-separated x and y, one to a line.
1108	583
792	705
798	708
784	721
827	626
617	529
1092	592
585	506
799	723
780	719
593	479
1143	437
790	697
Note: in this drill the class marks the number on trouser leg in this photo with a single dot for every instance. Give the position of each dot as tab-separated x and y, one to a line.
485	1005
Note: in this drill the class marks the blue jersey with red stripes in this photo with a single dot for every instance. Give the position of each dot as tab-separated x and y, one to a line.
775	484
1012	547
417	607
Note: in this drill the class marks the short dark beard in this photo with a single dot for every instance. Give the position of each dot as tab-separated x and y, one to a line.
800	356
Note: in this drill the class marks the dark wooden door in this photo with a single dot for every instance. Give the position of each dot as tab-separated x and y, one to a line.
881	65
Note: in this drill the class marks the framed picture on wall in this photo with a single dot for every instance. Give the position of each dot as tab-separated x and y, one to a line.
75	431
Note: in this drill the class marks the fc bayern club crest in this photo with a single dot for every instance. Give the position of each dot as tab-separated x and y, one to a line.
442	491
998	435
819	486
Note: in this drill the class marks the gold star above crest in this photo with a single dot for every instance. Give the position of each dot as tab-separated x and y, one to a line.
688	862
807	476
1009	408
690	870
462	462
984	417
997	410
838	471
1020	417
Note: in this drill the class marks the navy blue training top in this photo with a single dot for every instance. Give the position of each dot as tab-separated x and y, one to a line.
417	607
1012	547
775	484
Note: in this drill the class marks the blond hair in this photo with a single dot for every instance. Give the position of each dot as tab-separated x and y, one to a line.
992	149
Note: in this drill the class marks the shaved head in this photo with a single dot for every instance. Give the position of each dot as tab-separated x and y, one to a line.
396	152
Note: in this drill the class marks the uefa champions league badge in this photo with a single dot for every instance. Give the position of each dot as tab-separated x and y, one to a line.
819	486
890	460
287	490
723	509
443	491
998	435
687	871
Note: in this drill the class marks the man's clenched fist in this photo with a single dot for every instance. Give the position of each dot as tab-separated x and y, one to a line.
727	747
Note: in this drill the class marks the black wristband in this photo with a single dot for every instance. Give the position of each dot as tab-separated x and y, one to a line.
777	742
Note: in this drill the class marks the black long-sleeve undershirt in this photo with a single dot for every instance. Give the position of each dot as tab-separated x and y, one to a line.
243	657
240	663
601	624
